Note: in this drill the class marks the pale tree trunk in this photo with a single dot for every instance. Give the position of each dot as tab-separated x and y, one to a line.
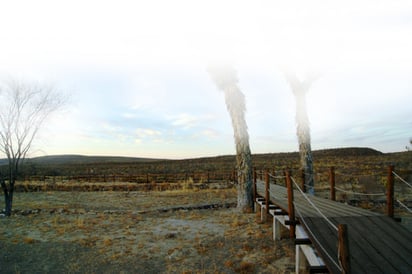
235	103
299	89
303	134
226	80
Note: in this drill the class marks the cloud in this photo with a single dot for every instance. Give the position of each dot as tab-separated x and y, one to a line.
184	121
147	132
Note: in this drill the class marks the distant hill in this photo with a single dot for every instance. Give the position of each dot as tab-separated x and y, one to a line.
72	165
348	151
82	159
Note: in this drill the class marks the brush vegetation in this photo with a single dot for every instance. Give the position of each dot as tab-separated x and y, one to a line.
188	226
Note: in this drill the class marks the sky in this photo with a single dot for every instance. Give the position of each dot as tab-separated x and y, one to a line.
137	80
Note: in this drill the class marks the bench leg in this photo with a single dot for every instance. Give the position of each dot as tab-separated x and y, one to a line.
301	264
276	229
297	259
263	216
257	210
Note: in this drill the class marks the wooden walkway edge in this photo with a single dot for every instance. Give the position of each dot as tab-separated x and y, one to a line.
377	244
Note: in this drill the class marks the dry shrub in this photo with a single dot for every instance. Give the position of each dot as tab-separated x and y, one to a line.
220	244
247	248
229	263
29	240
79	222
201	247
245	267
188	184
237	223
61	230
107	241
88	242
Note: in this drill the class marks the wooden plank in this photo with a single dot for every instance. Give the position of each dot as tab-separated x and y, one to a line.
363	247
324	238
377	243
278	196
383	249
395	248
399	233
332	208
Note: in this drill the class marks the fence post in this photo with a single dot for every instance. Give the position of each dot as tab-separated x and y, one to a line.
254	185
343	248
389	191
291	207
303	180
267	197
274	175
332	183
234	175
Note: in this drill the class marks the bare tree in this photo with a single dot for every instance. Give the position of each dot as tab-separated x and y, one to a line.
226	80
299	89
23	109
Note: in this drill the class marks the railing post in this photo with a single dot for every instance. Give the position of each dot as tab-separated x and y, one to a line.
303	186
254	185
291	207
267	187
332	184
344	255
234	175
389	192
274	175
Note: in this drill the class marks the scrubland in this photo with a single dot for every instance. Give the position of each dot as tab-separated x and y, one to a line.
79	217
137	232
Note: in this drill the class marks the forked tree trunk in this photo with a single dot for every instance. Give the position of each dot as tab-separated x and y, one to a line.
303	134
299	89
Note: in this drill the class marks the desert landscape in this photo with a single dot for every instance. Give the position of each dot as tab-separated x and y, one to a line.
187	226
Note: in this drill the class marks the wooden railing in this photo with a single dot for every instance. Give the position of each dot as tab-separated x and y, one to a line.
128	182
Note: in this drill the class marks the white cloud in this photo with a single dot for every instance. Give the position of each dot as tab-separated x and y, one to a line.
184	120
147	132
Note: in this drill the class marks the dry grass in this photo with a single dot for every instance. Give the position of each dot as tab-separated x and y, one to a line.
117	232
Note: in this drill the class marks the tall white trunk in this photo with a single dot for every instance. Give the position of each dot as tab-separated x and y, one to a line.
226	80
299	89
303	134
235	103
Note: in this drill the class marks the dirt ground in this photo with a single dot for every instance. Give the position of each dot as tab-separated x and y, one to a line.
137	232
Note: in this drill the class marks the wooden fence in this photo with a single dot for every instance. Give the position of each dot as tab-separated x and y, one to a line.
126	182
206	177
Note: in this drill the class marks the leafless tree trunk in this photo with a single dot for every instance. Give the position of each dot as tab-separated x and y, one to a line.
299	89
23	109
226	80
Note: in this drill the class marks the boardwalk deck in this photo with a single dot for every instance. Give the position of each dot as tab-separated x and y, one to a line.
377	244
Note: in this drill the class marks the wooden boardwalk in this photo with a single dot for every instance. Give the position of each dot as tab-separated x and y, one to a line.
377	244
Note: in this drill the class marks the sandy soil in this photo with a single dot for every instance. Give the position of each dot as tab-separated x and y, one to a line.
137	232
